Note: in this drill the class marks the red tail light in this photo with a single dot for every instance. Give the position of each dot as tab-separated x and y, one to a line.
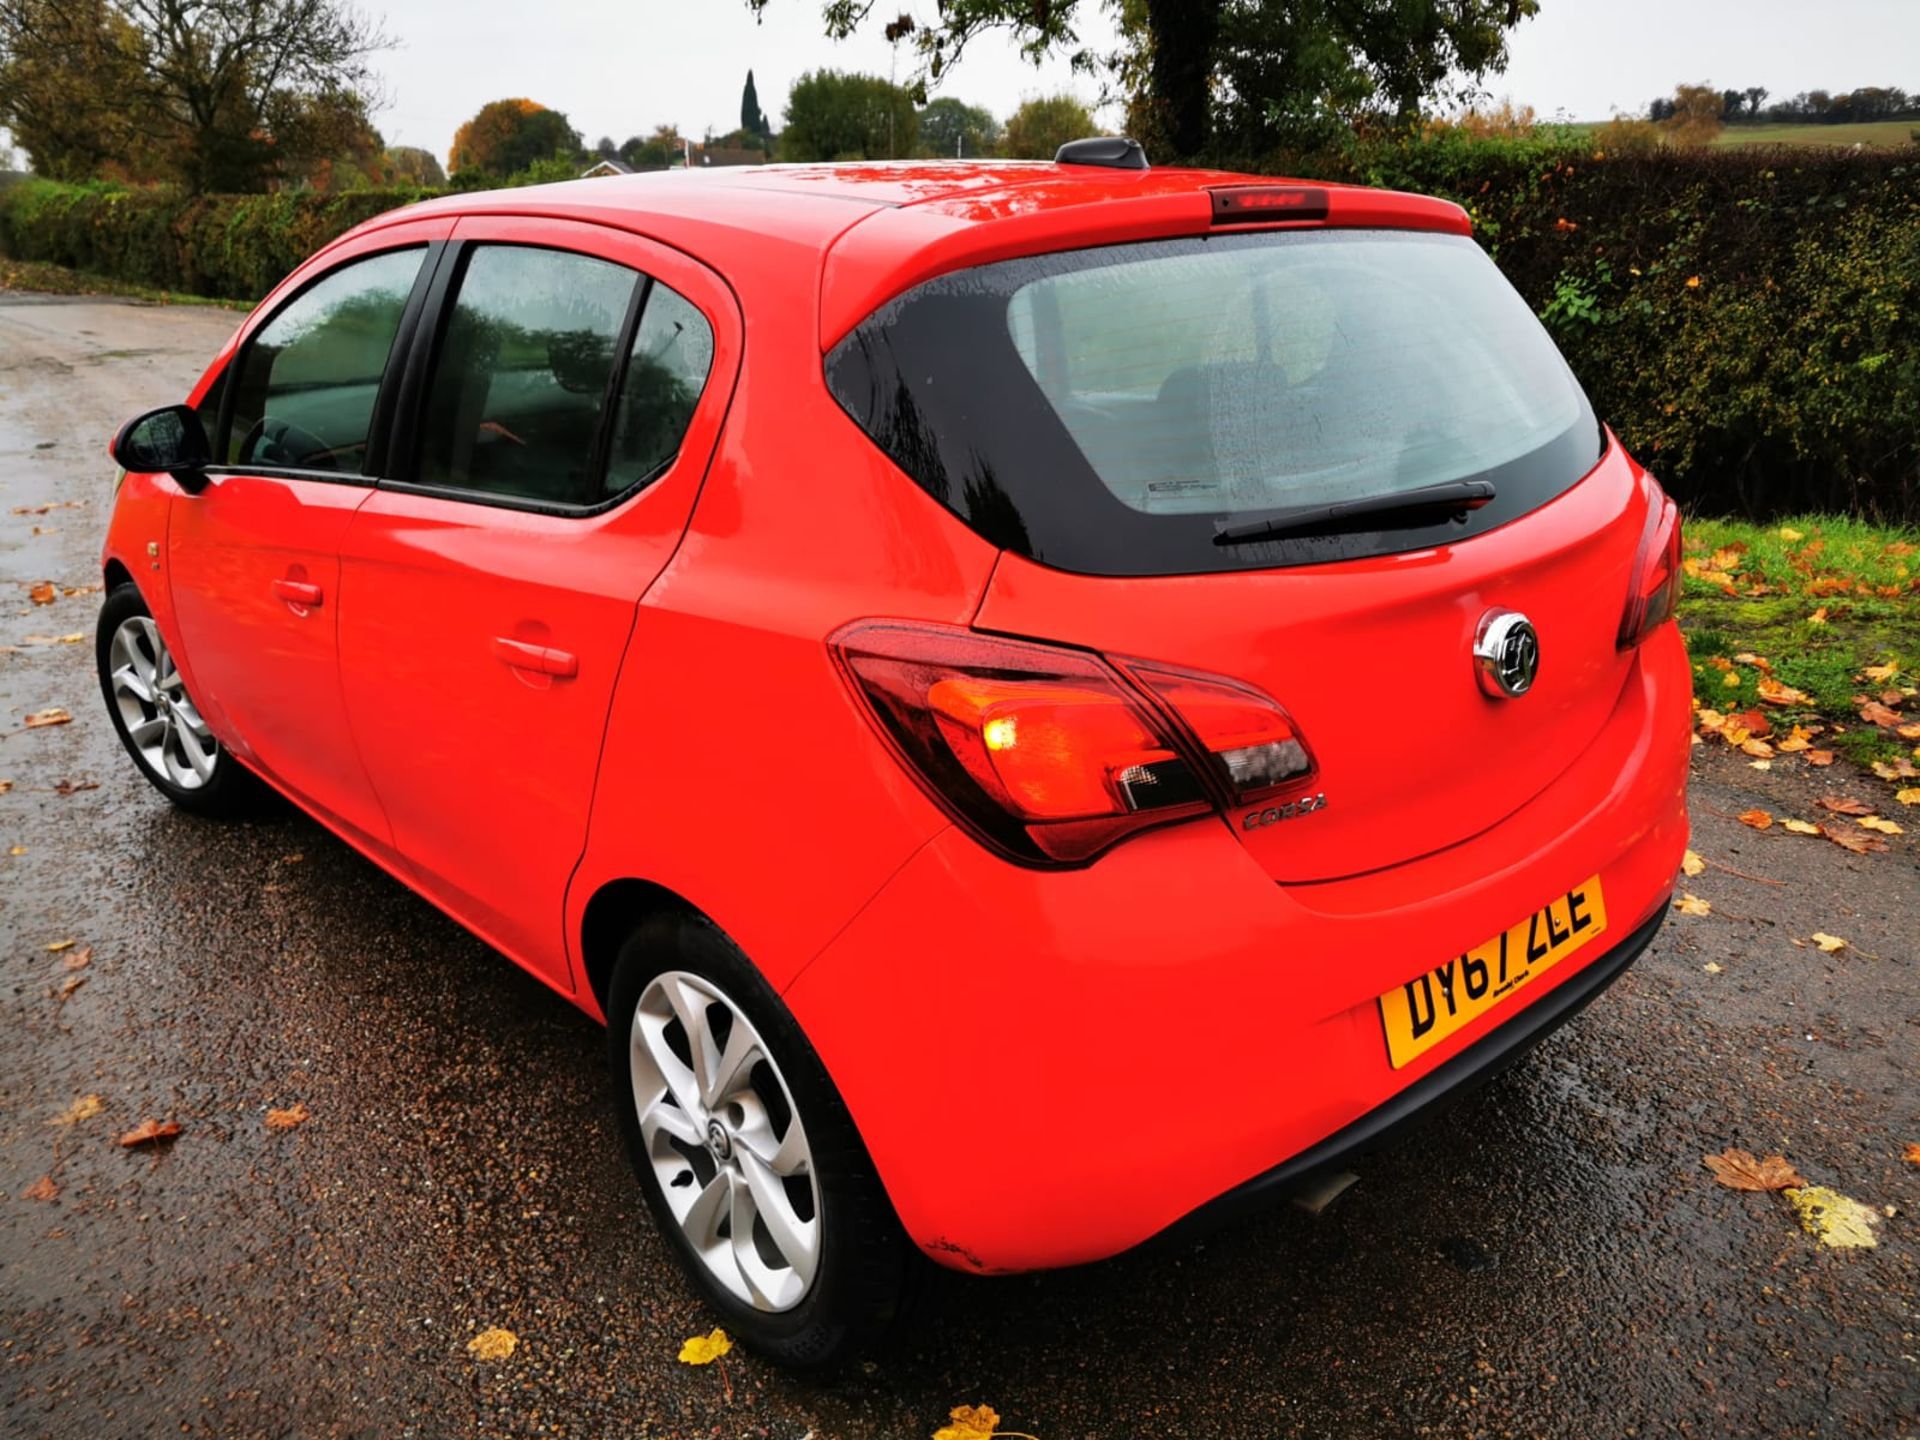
1655	589
1051	755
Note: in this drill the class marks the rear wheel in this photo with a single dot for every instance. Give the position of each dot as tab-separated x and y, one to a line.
749	1160
157	720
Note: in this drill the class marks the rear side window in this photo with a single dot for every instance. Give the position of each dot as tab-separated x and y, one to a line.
515	403
305	386
534	345
1108	410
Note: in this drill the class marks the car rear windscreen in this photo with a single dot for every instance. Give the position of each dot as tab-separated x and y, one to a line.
1108	411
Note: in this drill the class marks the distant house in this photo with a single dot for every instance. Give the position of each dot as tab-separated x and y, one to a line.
606	167
715	155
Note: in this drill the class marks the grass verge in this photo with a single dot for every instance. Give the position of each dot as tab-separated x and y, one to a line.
40	278
1800	621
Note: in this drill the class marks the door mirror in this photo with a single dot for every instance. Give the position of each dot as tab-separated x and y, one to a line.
170	439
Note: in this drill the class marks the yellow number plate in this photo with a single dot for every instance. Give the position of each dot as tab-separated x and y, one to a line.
1430	1007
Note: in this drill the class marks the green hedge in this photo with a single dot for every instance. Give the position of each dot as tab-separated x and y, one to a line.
1748	320
233	247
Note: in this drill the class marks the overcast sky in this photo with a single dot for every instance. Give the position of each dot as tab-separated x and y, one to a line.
620	67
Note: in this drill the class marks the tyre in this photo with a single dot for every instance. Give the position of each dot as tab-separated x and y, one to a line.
157	720
749	1160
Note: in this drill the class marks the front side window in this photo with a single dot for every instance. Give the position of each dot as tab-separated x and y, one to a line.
305	387
522	376
1112	411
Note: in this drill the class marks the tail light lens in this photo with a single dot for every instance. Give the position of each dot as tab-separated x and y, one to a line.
1655	590
1051	755
1251	744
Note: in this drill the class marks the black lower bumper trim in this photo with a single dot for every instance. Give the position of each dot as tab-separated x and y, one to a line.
1429	1094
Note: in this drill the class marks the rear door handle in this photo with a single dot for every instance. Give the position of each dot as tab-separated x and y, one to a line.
297	592
541	659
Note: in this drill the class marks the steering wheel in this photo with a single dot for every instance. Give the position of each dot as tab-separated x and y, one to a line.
272	441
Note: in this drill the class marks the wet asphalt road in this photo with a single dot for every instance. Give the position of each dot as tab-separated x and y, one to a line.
1549	1259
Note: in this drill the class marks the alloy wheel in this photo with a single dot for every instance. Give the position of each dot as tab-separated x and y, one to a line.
719	1127
162	725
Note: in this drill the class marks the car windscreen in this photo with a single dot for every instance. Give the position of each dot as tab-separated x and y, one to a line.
1108	411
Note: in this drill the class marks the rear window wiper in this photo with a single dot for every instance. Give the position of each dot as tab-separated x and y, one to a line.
1347	516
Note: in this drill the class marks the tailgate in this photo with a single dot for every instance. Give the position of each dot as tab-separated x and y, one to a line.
1373	658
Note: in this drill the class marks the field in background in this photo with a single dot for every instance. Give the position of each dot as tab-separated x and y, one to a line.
1870	132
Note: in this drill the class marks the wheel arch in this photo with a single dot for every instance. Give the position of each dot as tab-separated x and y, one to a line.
611	915
116	574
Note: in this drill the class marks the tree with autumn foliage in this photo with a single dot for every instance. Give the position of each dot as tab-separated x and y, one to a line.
1695	116
507	136
218	94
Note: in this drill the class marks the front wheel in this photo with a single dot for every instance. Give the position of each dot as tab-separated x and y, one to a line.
749	1160
157	720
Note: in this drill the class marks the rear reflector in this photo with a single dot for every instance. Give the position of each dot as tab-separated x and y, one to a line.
1654	592
1247	204
1051	755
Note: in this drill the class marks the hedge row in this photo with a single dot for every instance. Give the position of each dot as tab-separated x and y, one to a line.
232	247
1747	320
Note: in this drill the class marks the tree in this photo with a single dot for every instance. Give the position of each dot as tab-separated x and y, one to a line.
1755	96
57	61
1695	118
325	141
1236	75
605	149
752	118
1041	126
662	148
506	136
837	116
198	85
950	127
411	165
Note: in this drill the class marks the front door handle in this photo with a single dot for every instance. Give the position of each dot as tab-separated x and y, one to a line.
541	659
297	592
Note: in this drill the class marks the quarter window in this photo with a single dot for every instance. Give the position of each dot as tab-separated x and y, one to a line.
672	353
304	391
522	376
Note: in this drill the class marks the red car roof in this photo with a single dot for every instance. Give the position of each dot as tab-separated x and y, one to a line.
880	227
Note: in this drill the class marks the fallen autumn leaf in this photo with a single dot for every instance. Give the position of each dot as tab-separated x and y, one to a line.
1854	840
52	715
41	1189
150	1132
85	1108
1833	1219
1691	904
705	1349
1691	863
1828	943
1758	819
1844	805
493	1344
1742	1170
1799	827
294	1114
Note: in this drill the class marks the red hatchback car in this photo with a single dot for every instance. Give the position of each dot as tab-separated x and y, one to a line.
1041	702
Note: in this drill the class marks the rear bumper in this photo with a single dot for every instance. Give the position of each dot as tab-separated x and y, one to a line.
1427	1096
1052	1067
